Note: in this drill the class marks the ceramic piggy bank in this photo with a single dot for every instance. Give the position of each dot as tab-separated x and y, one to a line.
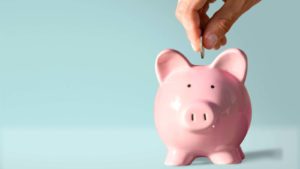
202	111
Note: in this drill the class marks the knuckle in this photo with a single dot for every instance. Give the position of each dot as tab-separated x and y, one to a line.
224	24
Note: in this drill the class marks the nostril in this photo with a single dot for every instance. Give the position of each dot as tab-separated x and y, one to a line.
197	117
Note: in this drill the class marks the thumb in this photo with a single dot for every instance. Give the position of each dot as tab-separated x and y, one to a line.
221	22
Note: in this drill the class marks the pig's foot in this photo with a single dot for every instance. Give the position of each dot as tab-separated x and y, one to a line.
227	156
178	158
241	152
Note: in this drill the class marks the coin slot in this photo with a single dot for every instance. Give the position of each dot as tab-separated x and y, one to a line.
204	116
192	117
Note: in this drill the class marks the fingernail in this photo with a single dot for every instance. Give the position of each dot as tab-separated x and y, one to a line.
211	40
194	47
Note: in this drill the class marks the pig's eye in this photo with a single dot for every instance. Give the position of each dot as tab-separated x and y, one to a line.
189	85
212	86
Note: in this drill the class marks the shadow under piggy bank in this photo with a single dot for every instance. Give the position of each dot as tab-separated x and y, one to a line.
273	154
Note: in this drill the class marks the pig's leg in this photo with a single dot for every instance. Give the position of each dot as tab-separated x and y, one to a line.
226	156
178	158
241	152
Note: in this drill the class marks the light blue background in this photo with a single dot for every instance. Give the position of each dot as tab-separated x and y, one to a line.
79	63
77	81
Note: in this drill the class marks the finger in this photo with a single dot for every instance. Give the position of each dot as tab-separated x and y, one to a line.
204	8
217	46
204	18
223	41
220	43
221	22
249	4
193	32
204	21
187	14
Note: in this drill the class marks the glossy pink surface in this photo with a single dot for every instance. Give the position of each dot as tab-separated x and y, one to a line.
202	110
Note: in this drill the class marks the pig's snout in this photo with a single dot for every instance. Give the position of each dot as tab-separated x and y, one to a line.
198	116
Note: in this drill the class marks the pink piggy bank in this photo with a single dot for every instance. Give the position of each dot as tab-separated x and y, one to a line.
202	111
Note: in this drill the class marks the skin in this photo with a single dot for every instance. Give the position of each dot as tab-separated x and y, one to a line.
192	14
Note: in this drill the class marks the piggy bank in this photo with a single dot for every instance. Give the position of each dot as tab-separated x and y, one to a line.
202	110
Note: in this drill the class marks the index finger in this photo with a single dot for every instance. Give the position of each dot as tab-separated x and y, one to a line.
187	12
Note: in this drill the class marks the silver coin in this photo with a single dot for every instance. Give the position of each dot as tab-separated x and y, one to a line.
201	48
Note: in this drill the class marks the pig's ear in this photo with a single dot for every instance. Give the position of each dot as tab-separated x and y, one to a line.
233	61
169	61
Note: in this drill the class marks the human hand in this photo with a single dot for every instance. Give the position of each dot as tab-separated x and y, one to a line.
193	17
